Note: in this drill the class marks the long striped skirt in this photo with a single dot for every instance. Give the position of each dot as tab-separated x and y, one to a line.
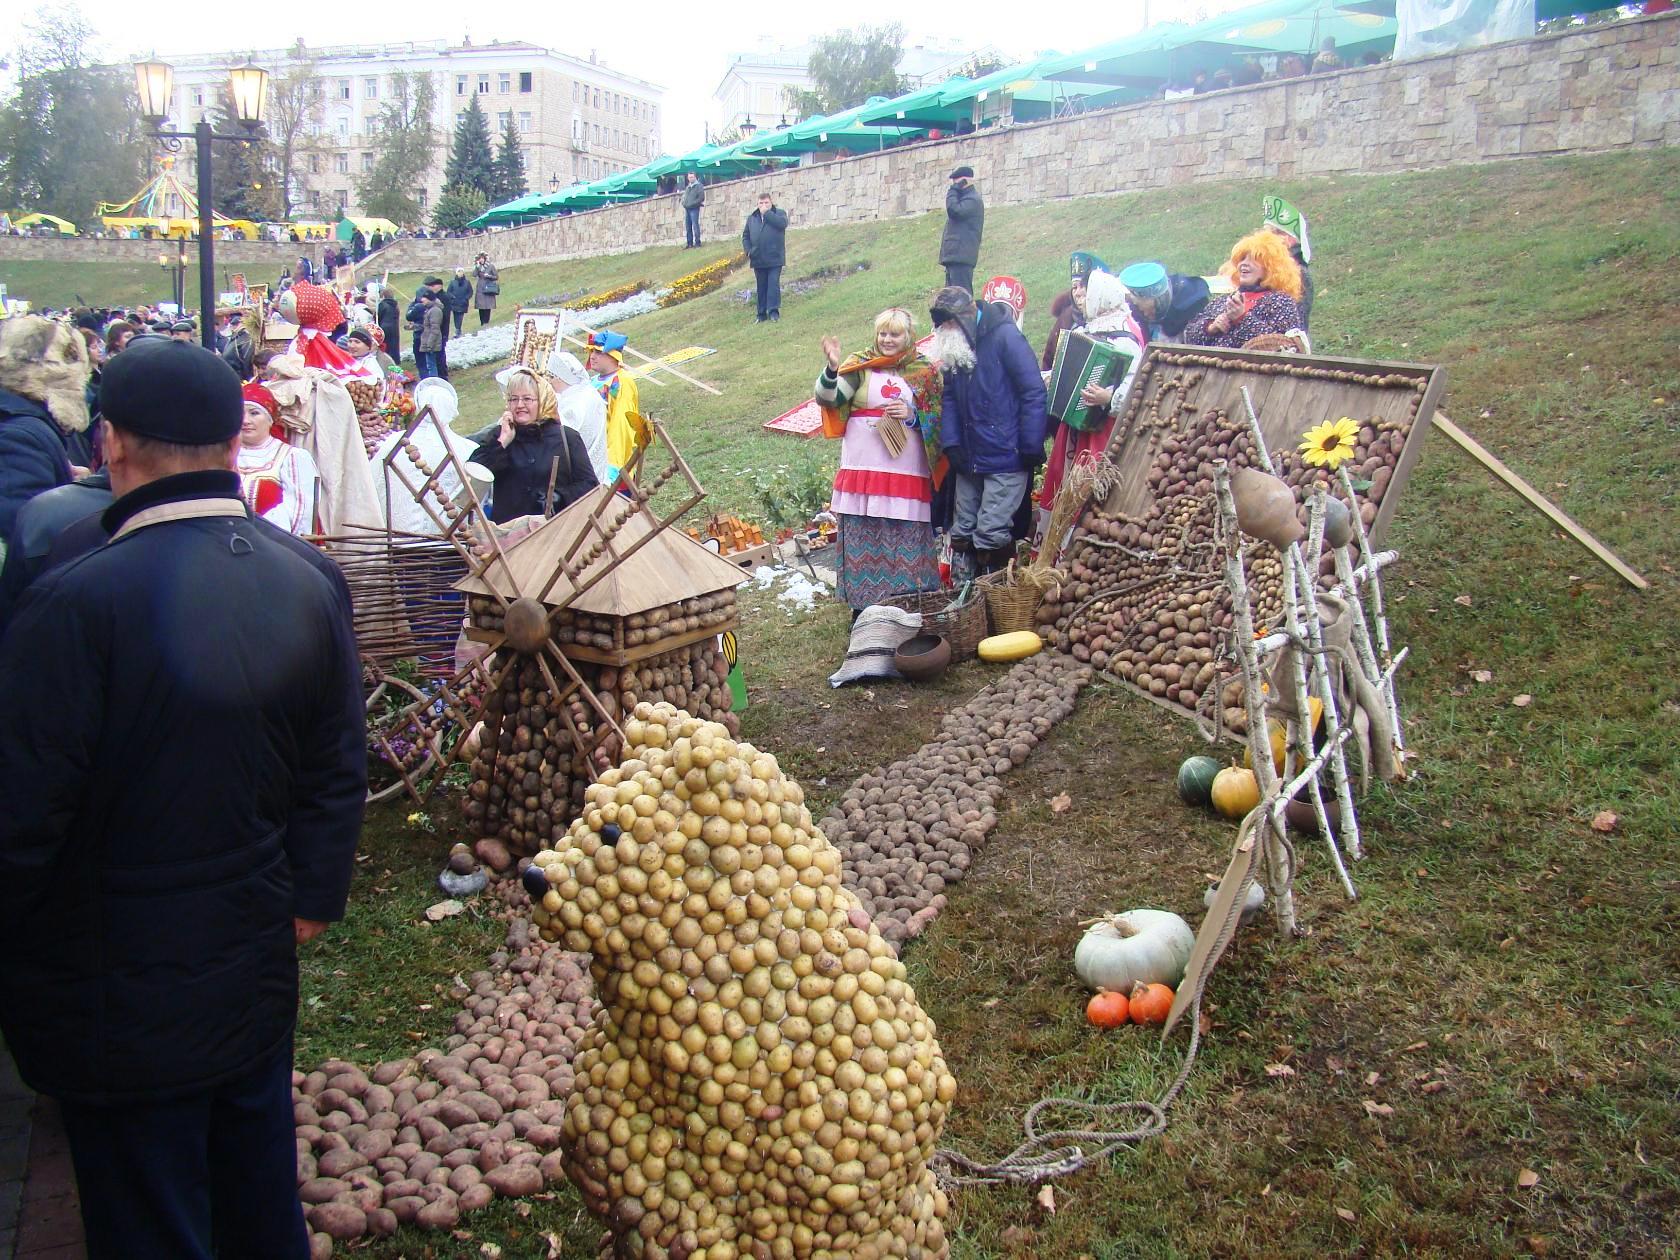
881	558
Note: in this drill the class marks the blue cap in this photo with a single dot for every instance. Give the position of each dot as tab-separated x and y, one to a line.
1146	281
611	342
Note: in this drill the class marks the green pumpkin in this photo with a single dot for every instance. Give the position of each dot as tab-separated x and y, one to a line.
1195	780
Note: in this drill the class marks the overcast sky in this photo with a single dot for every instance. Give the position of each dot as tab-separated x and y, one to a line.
682	47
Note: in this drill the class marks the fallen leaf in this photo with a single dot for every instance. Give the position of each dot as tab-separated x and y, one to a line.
555	1246
1416	1045
490	1251
443	910
1371	1078
1539	1245
1522	701
1061	803
1527	1179
1462	599
1482	675
1345	1213
1279	1069
1047	1198
1265	1190
1606	821
1375	1108
991	1002
1434	1087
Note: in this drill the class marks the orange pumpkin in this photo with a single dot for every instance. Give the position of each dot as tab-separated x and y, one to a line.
1150	1003
1108	1010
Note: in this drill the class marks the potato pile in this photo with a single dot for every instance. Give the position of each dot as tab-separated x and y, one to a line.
611	633
759	1080
529	775
425	1139
909	831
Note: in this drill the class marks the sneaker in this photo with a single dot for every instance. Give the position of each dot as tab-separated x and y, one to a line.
775	315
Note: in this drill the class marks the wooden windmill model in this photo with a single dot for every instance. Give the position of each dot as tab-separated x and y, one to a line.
600	607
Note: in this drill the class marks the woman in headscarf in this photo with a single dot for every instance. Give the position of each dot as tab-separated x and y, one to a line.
280	481
883	403
1068	310
1109	319
1266	305
528	449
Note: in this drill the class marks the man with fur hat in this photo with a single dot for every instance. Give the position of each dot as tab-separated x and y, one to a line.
43	379
992	424
182	775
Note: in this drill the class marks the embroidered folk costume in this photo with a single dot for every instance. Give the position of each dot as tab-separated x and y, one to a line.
279	481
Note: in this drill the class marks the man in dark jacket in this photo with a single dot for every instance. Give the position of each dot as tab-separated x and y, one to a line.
182	775
458	297
992	423
1164	303
694	196
30	550
765	241
965	220
388	323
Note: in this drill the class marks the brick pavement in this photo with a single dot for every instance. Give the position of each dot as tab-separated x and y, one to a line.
40	1214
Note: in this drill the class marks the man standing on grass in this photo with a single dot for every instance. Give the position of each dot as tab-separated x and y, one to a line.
182	774
764	240
694	196
965	221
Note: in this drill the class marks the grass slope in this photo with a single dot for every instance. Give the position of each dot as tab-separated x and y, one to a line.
1506	981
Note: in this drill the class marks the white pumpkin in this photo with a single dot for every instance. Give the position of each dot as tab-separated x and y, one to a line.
1137	947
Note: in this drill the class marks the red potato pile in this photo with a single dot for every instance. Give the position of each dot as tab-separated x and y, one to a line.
909	831
423	1140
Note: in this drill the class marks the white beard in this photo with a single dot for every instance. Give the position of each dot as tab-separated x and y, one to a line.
951	349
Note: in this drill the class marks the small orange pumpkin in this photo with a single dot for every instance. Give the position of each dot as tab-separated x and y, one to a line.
1150	1003
1108	1009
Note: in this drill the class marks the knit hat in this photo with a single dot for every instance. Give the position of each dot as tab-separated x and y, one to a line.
955	303
172	391
46	361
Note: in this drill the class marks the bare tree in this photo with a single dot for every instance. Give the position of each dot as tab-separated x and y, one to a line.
296	113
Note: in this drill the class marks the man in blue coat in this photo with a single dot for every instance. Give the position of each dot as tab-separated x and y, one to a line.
182	774
764	241
991	425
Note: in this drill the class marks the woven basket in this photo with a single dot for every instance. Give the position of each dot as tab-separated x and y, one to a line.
1012	599
959	619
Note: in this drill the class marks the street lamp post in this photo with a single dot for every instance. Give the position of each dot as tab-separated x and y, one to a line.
178	281
154	81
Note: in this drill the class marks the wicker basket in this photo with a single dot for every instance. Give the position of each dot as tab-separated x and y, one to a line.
1012	599
959	619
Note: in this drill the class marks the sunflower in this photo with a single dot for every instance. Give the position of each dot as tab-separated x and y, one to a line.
1330	443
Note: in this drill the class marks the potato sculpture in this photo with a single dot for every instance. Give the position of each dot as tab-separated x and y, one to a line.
758	1080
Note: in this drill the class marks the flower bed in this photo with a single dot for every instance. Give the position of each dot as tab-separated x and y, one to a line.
595	300
699	283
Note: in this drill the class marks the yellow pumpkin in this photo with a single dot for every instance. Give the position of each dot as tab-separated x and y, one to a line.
1280	742
1235	791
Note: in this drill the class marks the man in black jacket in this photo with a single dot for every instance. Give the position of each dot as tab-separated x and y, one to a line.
182	775
765	241
965	220
458	297
694	196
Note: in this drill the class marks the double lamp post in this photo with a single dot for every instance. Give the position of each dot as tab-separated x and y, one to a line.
154	81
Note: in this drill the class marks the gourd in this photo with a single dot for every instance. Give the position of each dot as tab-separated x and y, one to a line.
1108	1009
1235	791
1280	744
1015	646
1137	947
1266	508
1150	1003
1195	780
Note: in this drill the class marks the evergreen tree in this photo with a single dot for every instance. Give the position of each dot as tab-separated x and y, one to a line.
406	140
457	208
510	166
245	184
472	164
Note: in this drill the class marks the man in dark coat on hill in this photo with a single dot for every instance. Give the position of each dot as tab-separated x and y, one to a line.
965	221
991	425
182	774
764	239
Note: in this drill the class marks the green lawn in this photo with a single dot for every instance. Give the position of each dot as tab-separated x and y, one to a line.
1506	982
57	285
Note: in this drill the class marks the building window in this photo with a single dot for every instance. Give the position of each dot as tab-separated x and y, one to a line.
344	89
367	163
597	98
314	163
422	198
198	95
341	163
370	89
343	198
504	82
370	126
484	85
342	127
460	85
524	80
524	121
576	92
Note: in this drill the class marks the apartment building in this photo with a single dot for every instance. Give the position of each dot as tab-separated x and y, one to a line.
577	119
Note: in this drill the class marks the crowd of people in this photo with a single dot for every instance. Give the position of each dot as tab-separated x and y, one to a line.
947	443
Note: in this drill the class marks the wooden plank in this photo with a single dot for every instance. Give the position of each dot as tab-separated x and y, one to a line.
1552	512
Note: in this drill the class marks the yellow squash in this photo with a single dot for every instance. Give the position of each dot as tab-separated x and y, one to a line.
1015	646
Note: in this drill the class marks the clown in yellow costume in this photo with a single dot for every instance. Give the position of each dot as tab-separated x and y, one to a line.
627	431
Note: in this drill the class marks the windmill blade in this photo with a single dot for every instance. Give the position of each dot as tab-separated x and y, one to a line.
1219	925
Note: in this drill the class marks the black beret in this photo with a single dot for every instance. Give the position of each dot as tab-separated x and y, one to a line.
172	391
963	172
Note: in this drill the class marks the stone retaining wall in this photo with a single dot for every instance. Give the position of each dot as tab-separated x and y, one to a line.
1595	90
264	255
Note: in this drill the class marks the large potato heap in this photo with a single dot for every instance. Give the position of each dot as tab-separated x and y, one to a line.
908	831
758	1080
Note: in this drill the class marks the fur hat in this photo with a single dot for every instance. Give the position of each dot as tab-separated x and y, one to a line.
47	362
954	302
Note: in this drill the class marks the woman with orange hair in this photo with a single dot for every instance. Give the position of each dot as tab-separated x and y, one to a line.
1266	305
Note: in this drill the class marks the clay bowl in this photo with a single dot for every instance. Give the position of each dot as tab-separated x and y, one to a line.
922	658
1299	814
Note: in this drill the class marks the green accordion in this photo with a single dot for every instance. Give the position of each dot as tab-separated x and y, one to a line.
1082	361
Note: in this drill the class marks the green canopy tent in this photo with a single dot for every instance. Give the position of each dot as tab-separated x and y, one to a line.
526	209
845	131
1029	95
925	107
1300	27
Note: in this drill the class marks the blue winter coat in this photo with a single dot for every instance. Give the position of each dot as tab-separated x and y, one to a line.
32	455
996	412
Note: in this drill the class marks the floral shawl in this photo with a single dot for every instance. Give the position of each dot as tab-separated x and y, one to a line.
926	394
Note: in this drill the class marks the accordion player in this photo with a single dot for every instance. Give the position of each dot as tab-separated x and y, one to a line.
1082	361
